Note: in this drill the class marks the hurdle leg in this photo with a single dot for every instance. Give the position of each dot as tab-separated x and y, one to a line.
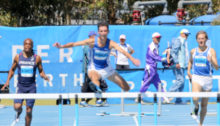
139	109
122	103
76	111
191	99
159	100
155	109
60	102
218	109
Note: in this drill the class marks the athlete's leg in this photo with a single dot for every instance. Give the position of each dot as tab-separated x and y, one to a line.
203	111
18	103
94	77
29	106
116	78
28	116
196	88
18	109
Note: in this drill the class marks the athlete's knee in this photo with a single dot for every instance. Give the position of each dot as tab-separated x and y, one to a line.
29	112
195	100
18	108
203	105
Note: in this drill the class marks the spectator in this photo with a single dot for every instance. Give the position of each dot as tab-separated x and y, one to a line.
121	59
179	52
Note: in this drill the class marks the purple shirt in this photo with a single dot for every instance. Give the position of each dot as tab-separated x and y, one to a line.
152	56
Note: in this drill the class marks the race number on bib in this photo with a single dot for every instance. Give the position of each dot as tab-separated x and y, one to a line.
27	71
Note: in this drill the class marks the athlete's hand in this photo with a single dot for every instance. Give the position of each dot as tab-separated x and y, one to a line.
56	44
136	62
3	88
46	78
190	76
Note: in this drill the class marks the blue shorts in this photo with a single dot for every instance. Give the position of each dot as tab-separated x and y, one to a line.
23	89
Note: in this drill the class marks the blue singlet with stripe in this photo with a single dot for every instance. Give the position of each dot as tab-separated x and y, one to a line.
201	65
100	55
26	70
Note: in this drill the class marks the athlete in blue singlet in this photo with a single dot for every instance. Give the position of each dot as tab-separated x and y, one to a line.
201	61
100	49
27	63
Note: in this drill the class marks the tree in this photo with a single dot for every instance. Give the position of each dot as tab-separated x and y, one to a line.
59	12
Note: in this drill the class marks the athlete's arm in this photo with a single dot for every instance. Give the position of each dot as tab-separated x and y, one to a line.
190	65
89	41
114	45
214	59
168	57
11	71
40	68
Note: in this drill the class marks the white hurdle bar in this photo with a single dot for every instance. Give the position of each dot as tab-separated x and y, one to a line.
76	96
107	95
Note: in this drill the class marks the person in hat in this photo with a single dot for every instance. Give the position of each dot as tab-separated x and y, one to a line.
179	52
150	72
121	59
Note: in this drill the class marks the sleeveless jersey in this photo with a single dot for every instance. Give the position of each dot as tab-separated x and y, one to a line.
201	65
100	55
26	70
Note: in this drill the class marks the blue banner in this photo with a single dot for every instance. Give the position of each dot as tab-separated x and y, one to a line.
64	66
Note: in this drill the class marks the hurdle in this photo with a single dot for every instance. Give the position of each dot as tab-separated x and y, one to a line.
137	115
138	95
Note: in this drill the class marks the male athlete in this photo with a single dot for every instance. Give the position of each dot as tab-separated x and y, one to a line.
100	50
27	62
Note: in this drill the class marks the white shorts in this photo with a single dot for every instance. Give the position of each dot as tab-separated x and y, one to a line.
204	81
104	73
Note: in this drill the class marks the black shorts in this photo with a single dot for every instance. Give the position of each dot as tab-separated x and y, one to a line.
122	67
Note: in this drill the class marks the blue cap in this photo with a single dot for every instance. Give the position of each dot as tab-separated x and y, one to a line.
91	33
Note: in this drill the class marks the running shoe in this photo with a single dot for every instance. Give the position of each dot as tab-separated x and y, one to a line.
17	115
100	103
84	104
194	114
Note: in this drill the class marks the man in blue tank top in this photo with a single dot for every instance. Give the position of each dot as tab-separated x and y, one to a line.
85	87
201	61
27	63
100	50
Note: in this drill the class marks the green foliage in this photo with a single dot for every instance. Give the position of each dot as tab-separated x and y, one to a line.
62	12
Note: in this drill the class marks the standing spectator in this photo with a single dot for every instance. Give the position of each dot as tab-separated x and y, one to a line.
150	72
179	52
121	59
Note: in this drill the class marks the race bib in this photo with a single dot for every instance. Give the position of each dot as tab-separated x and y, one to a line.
27	71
